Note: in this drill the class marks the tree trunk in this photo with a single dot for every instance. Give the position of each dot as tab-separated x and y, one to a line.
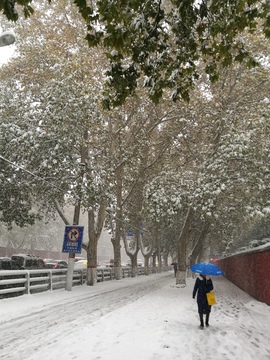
116	241
117	250
154	264
165	259
134	265
159	255
182	248
91	277
132	253
95	226
199	246
146	264
147	253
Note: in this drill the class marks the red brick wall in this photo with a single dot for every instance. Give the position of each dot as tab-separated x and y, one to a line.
250	272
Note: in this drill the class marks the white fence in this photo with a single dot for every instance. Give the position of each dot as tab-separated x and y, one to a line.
19	282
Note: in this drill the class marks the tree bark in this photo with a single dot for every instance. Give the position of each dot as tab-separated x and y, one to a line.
154	264
146	264
117	246
199	246
147	255
95	226
182	248
116	240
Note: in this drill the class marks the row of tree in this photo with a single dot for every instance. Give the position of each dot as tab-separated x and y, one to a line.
176	178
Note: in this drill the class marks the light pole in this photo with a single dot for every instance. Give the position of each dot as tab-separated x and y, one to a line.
7	38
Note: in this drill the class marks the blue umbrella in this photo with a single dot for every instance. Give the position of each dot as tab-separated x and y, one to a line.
206	269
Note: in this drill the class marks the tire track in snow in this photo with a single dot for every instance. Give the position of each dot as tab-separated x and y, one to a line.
49	324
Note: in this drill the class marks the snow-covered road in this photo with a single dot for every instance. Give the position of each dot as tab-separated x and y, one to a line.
146	318
42	326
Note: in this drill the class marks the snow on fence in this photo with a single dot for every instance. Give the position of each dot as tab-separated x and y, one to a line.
20	282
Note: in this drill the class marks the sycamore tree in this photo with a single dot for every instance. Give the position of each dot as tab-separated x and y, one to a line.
224	172
159	43
137	141
16	200
255	233
238	113
55	125
54	141
141	138
239	127
73	152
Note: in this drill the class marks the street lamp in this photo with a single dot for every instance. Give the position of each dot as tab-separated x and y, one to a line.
7	38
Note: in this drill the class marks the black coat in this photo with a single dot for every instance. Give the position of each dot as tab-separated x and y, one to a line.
201	287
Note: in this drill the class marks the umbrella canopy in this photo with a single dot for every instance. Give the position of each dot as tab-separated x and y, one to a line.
206	269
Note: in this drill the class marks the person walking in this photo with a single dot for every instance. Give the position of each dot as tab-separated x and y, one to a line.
175	268
201	288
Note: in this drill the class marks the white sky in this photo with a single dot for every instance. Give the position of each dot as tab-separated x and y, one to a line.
5	53
146	318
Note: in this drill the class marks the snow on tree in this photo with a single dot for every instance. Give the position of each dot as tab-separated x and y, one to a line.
55	126
226	171
159	43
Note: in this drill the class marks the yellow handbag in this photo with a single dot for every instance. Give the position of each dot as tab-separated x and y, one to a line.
211	298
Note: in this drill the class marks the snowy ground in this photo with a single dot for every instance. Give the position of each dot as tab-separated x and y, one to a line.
147	318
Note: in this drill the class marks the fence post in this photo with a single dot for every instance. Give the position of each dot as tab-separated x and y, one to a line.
82	277
50	280
27	283
111	272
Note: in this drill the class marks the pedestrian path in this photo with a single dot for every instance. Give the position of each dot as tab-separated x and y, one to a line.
238	319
